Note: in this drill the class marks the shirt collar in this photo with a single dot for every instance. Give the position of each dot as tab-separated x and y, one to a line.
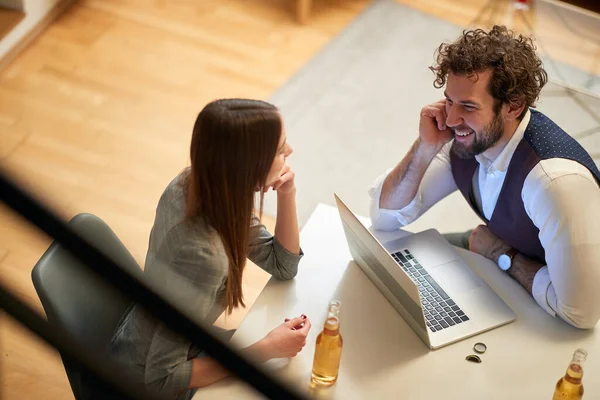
503	160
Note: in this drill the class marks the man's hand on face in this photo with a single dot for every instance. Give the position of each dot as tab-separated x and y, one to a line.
433	131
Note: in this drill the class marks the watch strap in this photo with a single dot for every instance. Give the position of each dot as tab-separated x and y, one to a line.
511	253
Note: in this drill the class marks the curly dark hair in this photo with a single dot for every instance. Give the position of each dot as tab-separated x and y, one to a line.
518	75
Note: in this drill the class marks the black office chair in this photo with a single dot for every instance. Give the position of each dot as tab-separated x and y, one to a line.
81	302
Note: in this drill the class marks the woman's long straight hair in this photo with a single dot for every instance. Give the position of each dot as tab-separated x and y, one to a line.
233	146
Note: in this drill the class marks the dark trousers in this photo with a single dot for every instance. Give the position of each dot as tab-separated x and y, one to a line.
459	239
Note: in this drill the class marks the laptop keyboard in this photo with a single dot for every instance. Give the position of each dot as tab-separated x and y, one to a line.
439	309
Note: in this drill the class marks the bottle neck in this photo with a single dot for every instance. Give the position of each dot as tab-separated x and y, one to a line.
574	374
332	326
332	323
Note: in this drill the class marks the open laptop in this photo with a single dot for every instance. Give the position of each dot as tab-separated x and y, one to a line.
427	282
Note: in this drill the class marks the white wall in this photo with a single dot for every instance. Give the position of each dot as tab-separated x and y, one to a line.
35	11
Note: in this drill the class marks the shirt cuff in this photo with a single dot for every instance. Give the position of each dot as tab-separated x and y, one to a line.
284	254
385	219
540	288
287	262
181	378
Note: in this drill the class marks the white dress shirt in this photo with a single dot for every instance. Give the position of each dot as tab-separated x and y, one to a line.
562	199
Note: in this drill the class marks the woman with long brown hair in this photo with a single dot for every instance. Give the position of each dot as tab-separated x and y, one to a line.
205	228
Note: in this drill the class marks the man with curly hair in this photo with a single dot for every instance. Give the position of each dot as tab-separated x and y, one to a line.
534	186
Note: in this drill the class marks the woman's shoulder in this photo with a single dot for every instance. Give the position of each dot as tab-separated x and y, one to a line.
170	209
176	187
190	251
175	232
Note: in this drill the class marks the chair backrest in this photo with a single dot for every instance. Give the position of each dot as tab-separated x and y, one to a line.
77	299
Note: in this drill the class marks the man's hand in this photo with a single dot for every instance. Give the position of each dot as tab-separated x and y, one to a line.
484	242
523	269
433	131
402	183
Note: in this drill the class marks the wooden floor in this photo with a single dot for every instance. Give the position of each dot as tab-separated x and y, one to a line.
96	117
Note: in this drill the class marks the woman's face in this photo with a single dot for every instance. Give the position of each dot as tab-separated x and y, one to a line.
283	151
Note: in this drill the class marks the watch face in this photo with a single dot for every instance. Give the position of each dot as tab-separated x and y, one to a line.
504	262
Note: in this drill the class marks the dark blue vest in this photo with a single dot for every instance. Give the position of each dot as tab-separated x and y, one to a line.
543	139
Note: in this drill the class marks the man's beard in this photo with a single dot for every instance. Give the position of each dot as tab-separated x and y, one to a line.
482	141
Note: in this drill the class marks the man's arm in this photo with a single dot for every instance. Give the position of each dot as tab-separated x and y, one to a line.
401	185
421	179
566	210
437	183
523	269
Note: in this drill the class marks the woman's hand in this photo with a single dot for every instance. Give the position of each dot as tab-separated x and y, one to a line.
285	183
285	340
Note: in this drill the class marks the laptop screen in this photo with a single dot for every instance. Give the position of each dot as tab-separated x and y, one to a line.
362	254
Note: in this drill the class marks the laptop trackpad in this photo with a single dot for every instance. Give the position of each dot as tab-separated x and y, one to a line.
454	276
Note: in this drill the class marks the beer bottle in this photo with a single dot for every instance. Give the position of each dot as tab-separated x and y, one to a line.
328	349
569	387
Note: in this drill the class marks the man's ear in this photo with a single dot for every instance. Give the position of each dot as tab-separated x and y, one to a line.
513	110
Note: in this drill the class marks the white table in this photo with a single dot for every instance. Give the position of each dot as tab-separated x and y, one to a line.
383	358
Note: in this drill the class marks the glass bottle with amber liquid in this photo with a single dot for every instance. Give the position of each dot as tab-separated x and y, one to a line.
328	349
569	387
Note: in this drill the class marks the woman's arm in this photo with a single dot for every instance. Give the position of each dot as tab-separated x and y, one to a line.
283	341
206	371
286	224
279	255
